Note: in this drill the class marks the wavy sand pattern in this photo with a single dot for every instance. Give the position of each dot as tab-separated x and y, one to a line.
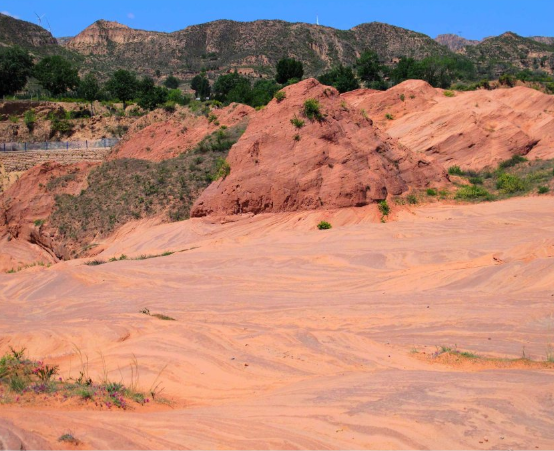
290	337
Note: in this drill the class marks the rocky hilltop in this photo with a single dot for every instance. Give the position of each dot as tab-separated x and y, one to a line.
255	46
454	42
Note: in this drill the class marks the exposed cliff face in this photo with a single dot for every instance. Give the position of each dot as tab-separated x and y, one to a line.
454	42
339	161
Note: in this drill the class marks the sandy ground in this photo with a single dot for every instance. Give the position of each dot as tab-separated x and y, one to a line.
291	337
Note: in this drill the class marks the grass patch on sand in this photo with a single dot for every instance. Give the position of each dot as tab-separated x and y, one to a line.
26	381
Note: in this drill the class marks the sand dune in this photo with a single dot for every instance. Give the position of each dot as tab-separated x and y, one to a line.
291	337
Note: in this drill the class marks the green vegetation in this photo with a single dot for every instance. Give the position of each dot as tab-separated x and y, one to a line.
384	208
515	176
30	119
389	116
16	66
201	86
449	93
288	69
172	82
370	70
297	122
473	192
69	438
431	192
412	199
280	96
21	377
324	225
56	74
340	77
312	110
128	189
123	85
455	170
146	311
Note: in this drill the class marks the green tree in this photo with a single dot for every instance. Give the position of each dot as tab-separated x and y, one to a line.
340	77
369	68
56	74
172	82
123	85
288	68
89	89
201	86
263	91
16	66
229	82
150	95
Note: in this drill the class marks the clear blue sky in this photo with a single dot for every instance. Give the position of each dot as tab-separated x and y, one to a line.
472	19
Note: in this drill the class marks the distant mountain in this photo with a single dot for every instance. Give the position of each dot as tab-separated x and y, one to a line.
495	54
454	42
254	48
251	47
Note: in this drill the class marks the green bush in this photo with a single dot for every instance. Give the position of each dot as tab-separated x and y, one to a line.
510	183
324	225
411	199
30	119
280	96
543	189
384	208
222	169
312	110
515	160
476	180
431	192
455	170
473	192
389	116
449	93
402	97
298	123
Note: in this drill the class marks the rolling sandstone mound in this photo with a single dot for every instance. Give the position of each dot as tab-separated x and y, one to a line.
472	129
176	134
339	161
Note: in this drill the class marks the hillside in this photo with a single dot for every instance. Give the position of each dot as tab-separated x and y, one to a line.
454	42
495	54
253	46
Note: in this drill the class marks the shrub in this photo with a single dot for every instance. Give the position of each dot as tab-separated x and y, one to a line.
169	106
297	122
280	96
543	189
62	126
324	225
412	199
14	119
312	110
30	119
476	180
296	137
222	169
402	97
510	183
449	93
431	192
389	116
473	192
515	160
455	170
384	208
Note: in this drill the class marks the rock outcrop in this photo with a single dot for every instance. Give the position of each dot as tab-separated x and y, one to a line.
472	129
339	161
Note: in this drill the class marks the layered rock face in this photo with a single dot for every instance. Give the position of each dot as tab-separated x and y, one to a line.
454	42
339	161
472	129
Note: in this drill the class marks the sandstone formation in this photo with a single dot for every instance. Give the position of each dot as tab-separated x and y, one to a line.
341	160
165	138
454	42
25	208
472	129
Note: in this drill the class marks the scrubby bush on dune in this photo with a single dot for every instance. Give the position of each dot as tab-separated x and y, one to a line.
324	225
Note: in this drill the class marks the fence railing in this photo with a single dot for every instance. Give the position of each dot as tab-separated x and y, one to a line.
58	145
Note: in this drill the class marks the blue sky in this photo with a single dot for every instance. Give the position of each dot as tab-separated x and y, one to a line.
472	19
